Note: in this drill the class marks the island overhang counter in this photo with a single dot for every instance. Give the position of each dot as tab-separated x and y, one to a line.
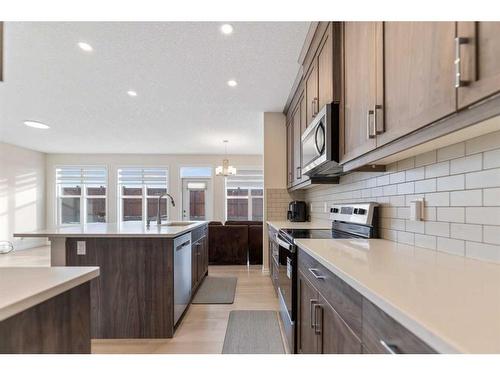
134	297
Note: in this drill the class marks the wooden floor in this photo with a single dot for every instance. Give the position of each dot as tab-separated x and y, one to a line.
203	327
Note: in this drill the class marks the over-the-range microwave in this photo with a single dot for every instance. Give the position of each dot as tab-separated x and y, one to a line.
320	144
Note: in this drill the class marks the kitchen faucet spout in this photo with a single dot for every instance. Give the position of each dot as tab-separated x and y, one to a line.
158	217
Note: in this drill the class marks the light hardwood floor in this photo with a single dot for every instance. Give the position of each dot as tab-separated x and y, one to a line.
203	327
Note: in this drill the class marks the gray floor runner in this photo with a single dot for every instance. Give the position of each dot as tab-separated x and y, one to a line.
253	332
216	290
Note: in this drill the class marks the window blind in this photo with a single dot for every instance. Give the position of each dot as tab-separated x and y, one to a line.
143	176
75	175
246	178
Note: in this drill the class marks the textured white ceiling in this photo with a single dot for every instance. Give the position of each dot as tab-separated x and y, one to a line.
178	69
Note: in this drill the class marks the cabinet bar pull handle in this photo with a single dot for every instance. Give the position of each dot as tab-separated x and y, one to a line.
299	173
458	62
376	130
390	348
317	325
314	272
312	303
368	123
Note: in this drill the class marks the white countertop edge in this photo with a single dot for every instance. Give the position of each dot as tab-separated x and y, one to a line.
28	302
151	234
280	224
436	342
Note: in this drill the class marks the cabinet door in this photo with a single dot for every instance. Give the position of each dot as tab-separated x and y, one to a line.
200	260
194	265
205	248
297	145
419	77
335	337
308	298
311	92
362	70
479	56
303	126
325	69
289	154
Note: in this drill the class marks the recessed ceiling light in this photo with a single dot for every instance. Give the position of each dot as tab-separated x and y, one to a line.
85	47
232	83
226	29
132	93
36	124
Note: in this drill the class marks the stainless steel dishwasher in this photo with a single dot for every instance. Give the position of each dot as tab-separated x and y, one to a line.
182	274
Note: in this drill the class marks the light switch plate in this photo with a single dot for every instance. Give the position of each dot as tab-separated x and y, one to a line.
417	210
325	208
81	248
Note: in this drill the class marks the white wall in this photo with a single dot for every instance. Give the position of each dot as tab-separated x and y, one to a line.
173	162
22	194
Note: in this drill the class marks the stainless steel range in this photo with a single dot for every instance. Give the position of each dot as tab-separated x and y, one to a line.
357	220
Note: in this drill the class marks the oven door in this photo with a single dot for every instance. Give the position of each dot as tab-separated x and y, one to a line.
286	258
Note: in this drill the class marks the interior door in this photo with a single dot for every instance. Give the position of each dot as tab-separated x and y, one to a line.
308	298
478	51
362	68
197	199
418	76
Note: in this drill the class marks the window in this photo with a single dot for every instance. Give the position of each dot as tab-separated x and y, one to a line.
245	195
81	194
138	191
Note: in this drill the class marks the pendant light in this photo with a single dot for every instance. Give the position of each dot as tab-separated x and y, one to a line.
225	169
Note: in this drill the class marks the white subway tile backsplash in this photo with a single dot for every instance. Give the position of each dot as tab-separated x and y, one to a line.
397	178
437	199
483	179
460	185
466	198
423	240
451	246
466	164
491	197
451	152
437	170
406	188
456	182
469	232
415	174
482	215
451	214
491	234
425	186
482	251
437	228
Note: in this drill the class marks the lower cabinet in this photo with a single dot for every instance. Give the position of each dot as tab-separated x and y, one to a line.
199	260
320	328
333	318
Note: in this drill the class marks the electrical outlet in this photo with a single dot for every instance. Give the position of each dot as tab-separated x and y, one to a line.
81	248
311	207
325	208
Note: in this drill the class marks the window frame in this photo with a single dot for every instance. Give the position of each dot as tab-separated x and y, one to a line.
83	195
144	197
249	195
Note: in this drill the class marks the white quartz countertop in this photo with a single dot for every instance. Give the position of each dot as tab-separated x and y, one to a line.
300	225
450	302
25	287
127	229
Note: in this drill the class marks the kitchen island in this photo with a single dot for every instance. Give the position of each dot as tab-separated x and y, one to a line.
45	309
148	275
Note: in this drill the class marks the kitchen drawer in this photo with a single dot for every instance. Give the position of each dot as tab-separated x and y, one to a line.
382	334
343	298
198	233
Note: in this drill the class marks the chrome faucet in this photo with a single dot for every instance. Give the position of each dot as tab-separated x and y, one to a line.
158	218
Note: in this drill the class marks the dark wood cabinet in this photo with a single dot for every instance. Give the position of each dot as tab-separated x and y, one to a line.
199	257
363	88
478	63
308	297
419	77
311	92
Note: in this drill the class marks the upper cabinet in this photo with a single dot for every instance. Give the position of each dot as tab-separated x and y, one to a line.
1	51
477	61
418	76
363	88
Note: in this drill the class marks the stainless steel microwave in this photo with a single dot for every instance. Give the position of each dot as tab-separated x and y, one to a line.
320	144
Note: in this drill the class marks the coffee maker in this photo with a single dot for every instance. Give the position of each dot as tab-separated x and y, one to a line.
297	211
